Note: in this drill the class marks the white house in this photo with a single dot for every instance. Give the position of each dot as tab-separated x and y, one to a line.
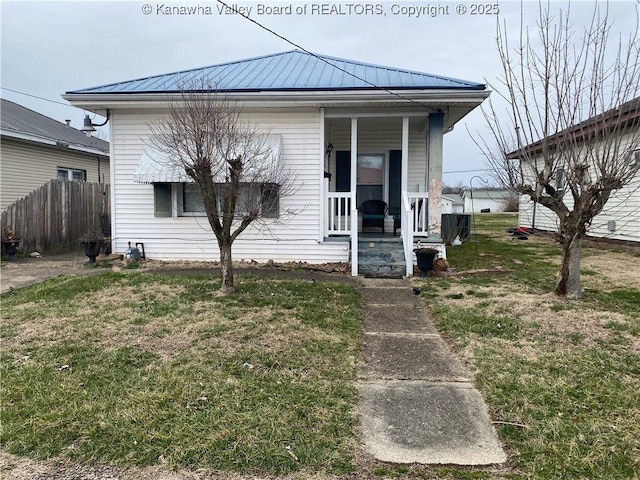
620	217
350	131
485	199
452	203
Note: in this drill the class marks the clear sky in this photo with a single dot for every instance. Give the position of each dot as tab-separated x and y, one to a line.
49	48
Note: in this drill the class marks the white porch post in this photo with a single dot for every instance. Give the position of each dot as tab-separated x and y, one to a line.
434	172
404	179
353	187
404	174
323	183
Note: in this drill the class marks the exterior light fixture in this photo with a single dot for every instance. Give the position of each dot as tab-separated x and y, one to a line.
327	152
89	127
329	149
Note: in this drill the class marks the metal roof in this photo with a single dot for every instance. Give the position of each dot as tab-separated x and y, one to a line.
26	123
287	71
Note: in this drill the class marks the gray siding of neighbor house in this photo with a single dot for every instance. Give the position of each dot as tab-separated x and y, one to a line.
25	167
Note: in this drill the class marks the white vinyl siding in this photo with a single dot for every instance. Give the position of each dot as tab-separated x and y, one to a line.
288	238
623	208
25	167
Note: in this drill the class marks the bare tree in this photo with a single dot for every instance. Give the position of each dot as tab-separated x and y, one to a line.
233	164
572	124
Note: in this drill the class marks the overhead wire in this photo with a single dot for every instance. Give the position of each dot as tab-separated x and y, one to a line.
290	42
36	96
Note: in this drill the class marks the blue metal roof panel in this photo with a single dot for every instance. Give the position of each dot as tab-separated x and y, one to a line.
293	70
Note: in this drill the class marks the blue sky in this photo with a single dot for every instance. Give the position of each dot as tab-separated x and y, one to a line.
49	48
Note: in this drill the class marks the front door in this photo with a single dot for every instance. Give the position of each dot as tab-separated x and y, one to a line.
395	181
371	175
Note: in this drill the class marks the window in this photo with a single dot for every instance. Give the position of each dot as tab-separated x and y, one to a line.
192	199
370	173
263	198
560	178
71	174
163	205
270	200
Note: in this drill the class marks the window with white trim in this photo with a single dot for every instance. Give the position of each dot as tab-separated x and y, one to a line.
261	197
72	174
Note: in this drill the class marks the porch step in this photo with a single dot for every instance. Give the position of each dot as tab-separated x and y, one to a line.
381	257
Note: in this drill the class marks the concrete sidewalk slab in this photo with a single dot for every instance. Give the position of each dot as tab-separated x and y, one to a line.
416	357
389	296
398	319
425	422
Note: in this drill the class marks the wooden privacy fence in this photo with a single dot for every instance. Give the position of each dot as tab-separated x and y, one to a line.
57	215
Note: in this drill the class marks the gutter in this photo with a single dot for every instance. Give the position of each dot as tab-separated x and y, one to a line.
102	101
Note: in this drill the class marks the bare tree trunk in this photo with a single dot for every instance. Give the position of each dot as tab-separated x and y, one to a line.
226	269
568	284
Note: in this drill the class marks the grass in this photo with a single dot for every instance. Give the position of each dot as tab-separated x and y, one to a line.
562	378
135	369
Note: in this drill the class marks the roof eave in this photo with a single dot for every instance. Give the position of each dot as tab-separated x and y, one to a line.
50	142
316	98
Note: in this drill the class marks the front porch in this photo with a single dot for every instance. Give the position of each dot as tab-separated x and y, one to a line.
383	157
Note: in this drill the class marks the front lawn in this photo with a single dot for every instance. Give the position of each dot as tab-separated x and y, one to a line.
139	369
562	378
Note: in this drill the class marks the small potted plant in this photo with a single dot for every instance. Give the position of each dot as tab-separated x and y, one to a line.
10	242
92	242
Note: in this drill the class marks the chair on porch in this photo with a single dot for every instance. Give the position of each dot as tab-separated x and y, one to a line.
373	214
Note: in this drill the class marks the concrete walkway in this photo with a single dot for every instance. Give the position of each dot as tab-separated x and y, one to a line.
418	403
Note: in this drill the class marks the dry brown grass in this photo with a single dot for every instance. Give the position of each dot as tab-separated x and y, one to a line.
545	314
269	328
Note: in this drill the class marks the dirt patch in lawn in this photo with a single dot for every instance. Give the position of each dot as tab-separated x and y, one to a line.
17	468
619	269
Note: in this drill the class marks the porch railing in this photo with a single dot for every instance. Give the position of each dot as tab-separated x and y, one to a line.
406	228
420	210
414	223
338	213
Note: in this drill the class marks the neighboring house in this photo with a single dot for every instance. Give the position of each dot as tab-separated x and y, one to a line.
485	199
35	149
620	217
377	132
452	203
